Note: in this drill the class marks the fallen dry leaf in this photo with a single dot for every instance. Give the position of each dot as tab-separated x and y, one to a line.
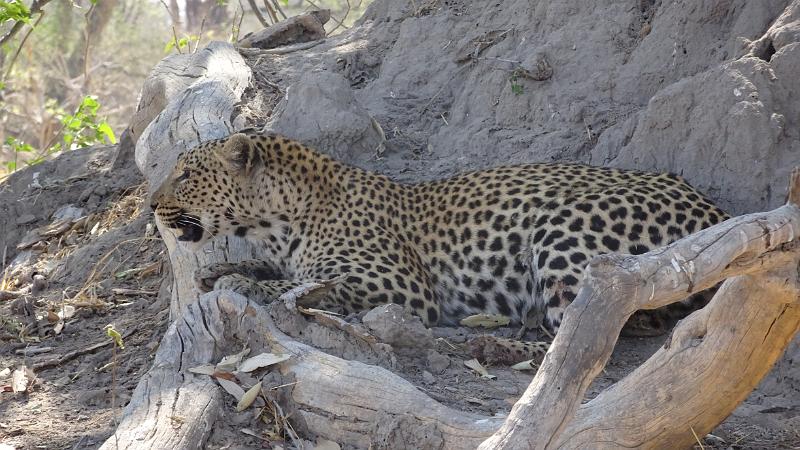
230	362
261	360
249	397
65	312
21	379
525	365
250	432
52	317
224	375
324	444
478	367
231	388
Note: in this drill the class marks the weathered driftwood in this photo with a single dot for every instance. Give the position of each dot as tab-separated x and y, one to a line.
713	360
186	100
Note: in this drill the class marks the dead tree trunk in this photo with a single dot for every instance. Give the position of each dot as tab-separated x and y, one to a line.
712	361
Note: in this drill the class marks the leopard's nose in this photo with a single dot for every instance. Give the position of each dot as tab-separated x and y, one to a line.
157	196
153	202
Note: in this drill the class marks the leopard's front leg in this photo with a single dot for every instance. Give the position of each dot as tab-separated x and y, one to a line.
256	270
259	291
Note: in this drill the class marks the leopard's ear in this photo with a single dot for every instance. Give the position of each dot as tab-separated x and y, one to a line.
238	154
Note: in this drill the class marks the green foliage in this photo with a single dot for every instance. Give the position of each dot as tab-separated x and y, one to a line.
17	147
14	10
81	129
115	336
84	128
516	88
181	43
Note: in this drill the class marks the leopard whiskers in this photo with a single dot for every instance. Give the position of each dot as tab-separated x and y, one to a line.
186	220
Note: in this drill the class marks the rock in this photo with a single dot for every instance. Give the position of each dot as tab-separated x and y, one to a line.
39	284
294	30
71	212
393	325
437	363
322	111
25	219
427	377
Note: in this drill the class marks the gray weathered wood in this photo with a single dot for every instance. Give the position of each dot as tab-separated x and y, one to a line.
197	95
170	407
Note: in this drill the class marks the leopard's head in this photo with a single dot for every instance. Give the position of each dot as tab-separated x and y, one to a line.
221	187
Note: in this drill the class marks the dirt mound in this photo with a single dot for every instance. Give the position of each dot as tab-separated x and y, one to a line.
78	257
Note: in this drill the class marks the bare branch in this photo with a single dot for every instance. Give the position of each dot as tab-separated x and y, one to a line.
271	12
278	8
339	22
21	45
258	14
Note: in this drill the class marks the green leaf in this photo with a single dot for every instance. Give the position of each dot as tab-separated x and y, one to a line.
115	336
34	161
71	122
89	105
170	45
14	10
106	130
18	146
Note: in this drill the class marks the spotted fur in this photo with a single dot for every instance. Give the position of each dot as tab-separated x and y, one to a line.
511	240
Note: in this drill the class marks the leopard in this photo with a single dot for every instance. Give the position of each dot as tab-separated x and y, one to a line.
512	240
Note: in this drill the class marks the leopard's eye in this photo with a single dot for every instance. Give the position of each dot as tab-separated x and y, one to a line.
184	176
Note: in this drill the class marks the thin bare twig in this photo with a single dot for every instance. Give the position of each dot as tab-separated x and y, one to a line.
87	33
271	12
174	31
175	37
199	35
22	44
57	361
236	27
278	7
339	22
258	14
172	15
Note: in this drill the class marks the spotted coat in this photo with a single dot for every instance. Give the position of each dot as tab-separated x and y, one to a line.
511	240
